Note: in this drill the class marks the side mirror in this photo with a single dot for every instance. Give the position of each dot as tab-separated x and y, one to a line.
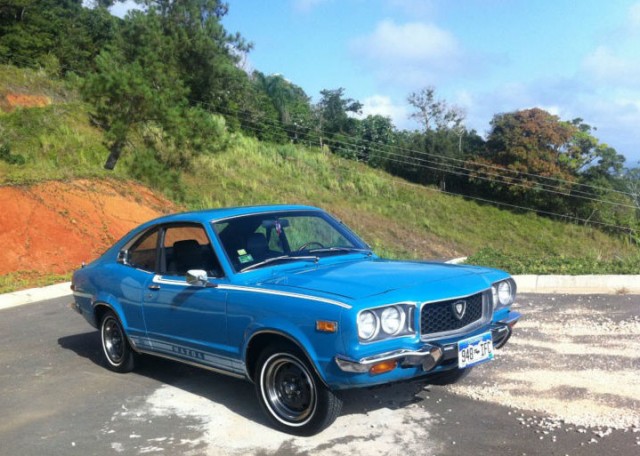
198	278
123	257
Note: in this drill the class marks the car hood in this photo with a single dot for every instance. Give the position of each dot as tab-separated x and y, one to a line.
362	279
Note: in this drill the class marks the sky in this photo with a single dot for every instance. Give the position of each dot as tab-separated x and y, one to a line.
573	58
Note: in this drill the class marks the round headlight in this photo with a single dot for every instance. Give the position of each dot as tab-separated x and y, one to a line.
504	293
494	293
392	320
368	325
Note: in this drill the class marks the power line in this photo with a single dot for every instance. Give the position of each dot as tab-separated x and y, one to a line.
441	168
499	203
453	159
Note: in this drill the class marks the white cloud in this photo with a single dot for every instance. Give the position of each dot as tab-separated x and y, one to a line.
408	55
384	106
304	6
413	42
608	67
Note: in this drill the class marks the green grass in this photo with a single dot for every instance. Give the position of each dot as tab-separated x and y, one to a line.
28	279
398	219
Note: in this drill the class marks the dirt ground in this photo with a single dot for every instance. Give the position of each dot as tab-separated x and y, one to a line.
51	228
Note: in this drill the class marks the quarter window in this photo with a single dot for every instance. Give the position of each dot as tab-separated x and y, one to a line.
143	253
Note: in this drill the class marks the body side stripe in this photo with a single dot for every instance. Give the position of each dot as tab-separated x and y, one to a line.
160	279
284	293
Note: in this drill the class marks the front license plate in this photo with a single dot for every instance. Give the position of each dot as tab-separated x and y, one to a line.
475	350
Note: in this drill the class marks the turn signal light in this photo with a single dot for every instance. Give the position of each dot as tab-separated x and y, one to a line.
382	367
326	326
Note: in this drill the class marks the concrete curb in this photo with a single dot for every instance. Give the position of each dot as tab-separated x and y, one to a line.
18	298
580	284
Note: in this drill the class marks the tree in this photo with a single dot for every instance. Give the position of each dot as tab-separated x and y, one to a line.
375	136
443	131
58	34
336	122
631	182
168	63
434	114
525	157
294	113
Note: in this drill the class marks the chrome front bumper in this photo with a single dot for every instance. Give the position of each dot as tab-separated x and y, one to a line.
430	355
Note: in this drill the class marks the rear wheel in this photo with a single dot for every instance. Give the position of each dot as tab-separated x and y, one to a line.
120	357
291	394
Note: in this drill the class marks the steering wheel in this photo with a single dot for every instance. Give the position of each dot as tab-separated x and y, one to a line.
304	246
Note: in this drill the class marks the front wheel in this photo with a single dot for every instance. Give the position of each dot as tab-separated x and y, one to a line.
291	394
120	357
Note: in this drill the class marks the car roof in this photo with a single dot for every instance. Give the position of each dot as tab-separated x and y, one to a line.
213	215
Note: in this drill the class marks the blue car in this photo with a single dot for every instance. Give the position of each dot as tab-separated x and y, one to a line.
291	299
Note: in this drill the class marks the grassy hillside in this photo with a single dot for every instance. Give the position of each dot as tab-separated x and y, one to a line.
397	218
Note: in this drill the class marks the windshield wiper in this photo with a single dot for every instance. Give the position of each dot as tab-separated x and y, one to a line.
342	249
280	258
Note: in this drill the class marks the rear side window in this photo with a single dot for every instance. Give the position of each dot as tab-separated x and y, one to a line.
144	252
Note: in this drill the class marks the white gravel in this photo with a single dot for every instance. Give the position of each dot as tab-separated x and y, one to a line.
578	365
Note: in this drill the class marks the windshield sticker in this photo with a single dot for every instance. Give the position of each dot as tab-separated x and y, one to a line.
246	258
242	252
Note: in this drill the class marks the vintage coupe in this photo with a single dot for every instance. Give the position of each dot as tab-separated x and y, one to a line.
291	299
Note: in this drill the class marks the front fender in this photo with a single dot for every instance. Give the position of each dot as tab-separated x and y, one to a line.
320	348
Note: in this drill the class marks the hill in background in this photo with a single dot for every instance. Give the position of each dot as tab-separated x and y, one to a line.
58	143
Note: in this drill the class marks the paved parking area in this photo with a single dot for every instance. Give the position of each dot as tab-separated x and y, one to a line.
567	383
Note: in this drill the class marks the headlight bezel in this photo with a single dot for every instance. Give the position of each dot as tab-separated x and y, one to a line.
406	312
376	330
503	293
401	318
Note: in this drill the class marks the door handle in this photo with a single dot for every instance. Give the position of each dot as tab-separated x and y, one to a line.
154	287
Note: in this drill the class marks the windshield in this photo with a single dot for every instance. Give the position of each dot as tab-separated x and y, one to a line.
252	241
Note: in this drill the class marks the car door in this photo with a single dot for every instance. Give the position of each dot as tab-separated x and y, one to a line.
134	271
184	321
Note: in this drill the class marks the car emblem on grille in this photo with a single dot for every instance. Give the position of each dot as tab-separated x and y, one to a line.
459	308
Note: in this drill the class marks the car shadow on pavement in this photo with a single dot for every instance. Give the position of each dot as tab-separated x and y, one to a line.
234	394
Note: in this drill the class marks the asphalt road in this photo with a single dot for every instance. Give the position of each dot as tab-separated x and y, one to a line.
567	384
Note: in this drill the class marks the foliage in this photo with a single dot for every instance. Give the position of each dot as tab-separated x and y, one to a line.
289	100
59	34
444	129
163	66
8	157
335	122
524	153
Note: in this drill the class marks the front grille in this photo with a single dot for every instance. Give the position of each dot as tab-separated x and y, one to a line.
440	316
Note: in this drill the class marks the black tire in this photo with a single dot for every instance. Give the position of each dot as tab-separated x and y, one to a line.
449	377
290	393
115	346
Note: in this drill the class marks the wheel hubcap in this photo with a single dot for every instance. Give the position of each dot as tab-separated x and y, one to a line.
289	390
113	341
